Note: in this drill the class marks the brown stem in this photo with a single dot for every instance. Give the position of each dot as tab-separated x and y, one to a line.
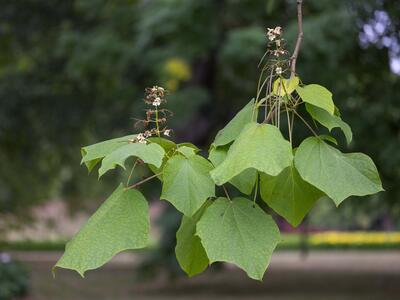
306	123
142	181
296	51
226	193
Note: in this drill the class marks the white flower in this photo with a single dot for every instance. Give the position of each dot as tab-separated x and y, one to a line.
270	34
278	70
141	138
167	132
278	52
147	134
274	33
157	101
277	30
278	43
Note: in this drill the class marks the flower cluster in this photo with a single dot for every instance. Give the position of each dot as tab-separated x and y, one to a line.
276	47
155	117
274	33
155	95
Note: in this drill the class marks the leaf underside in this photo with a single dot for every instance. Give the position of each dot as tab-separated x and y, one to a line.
329	121
92	155
152	154
318	96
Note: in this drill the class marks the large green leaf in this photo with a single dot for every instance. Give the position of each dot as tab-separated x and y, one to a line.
235	126
329	121
239	232
245	181
259	146
92	155
289	195
186	151
169	147
337	174
282	87
187	182
189	251
317	95
149	153
121	223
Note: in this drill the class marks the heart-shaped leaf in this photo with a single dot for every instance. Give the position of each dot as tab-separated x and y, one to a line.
239	232
259	146
289	195
121	223
187	182
337	174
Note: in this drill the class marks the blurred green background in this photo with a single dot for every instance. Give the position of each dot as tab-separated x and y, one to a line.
73	73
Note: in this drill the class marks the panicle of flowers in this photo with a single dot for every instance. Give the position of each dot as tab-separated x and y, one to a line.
155	116
276	44
155	95
276	49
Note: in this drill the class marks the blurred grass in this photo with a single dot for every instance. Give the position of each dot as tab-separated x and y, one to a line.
291	241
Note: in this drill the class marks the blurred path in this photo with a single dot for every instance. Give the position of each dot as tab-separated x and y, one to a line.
386	261
331	275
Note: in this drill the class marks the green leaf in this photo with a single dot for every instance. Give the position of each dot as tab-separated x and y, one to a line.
121	223
317	95
186	151
282	87
189	145
328	138
235	126
337	174
189	251
240	233
245	181
259	146
92	155
289	195
149	153
187	183
329	121
169	148
167	145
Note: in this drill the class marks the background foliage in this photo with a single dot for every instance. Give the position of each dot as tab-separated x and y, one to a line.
73	72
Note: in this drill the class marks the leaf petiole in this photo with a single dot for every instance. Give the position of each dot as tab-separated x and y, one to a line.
142	181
